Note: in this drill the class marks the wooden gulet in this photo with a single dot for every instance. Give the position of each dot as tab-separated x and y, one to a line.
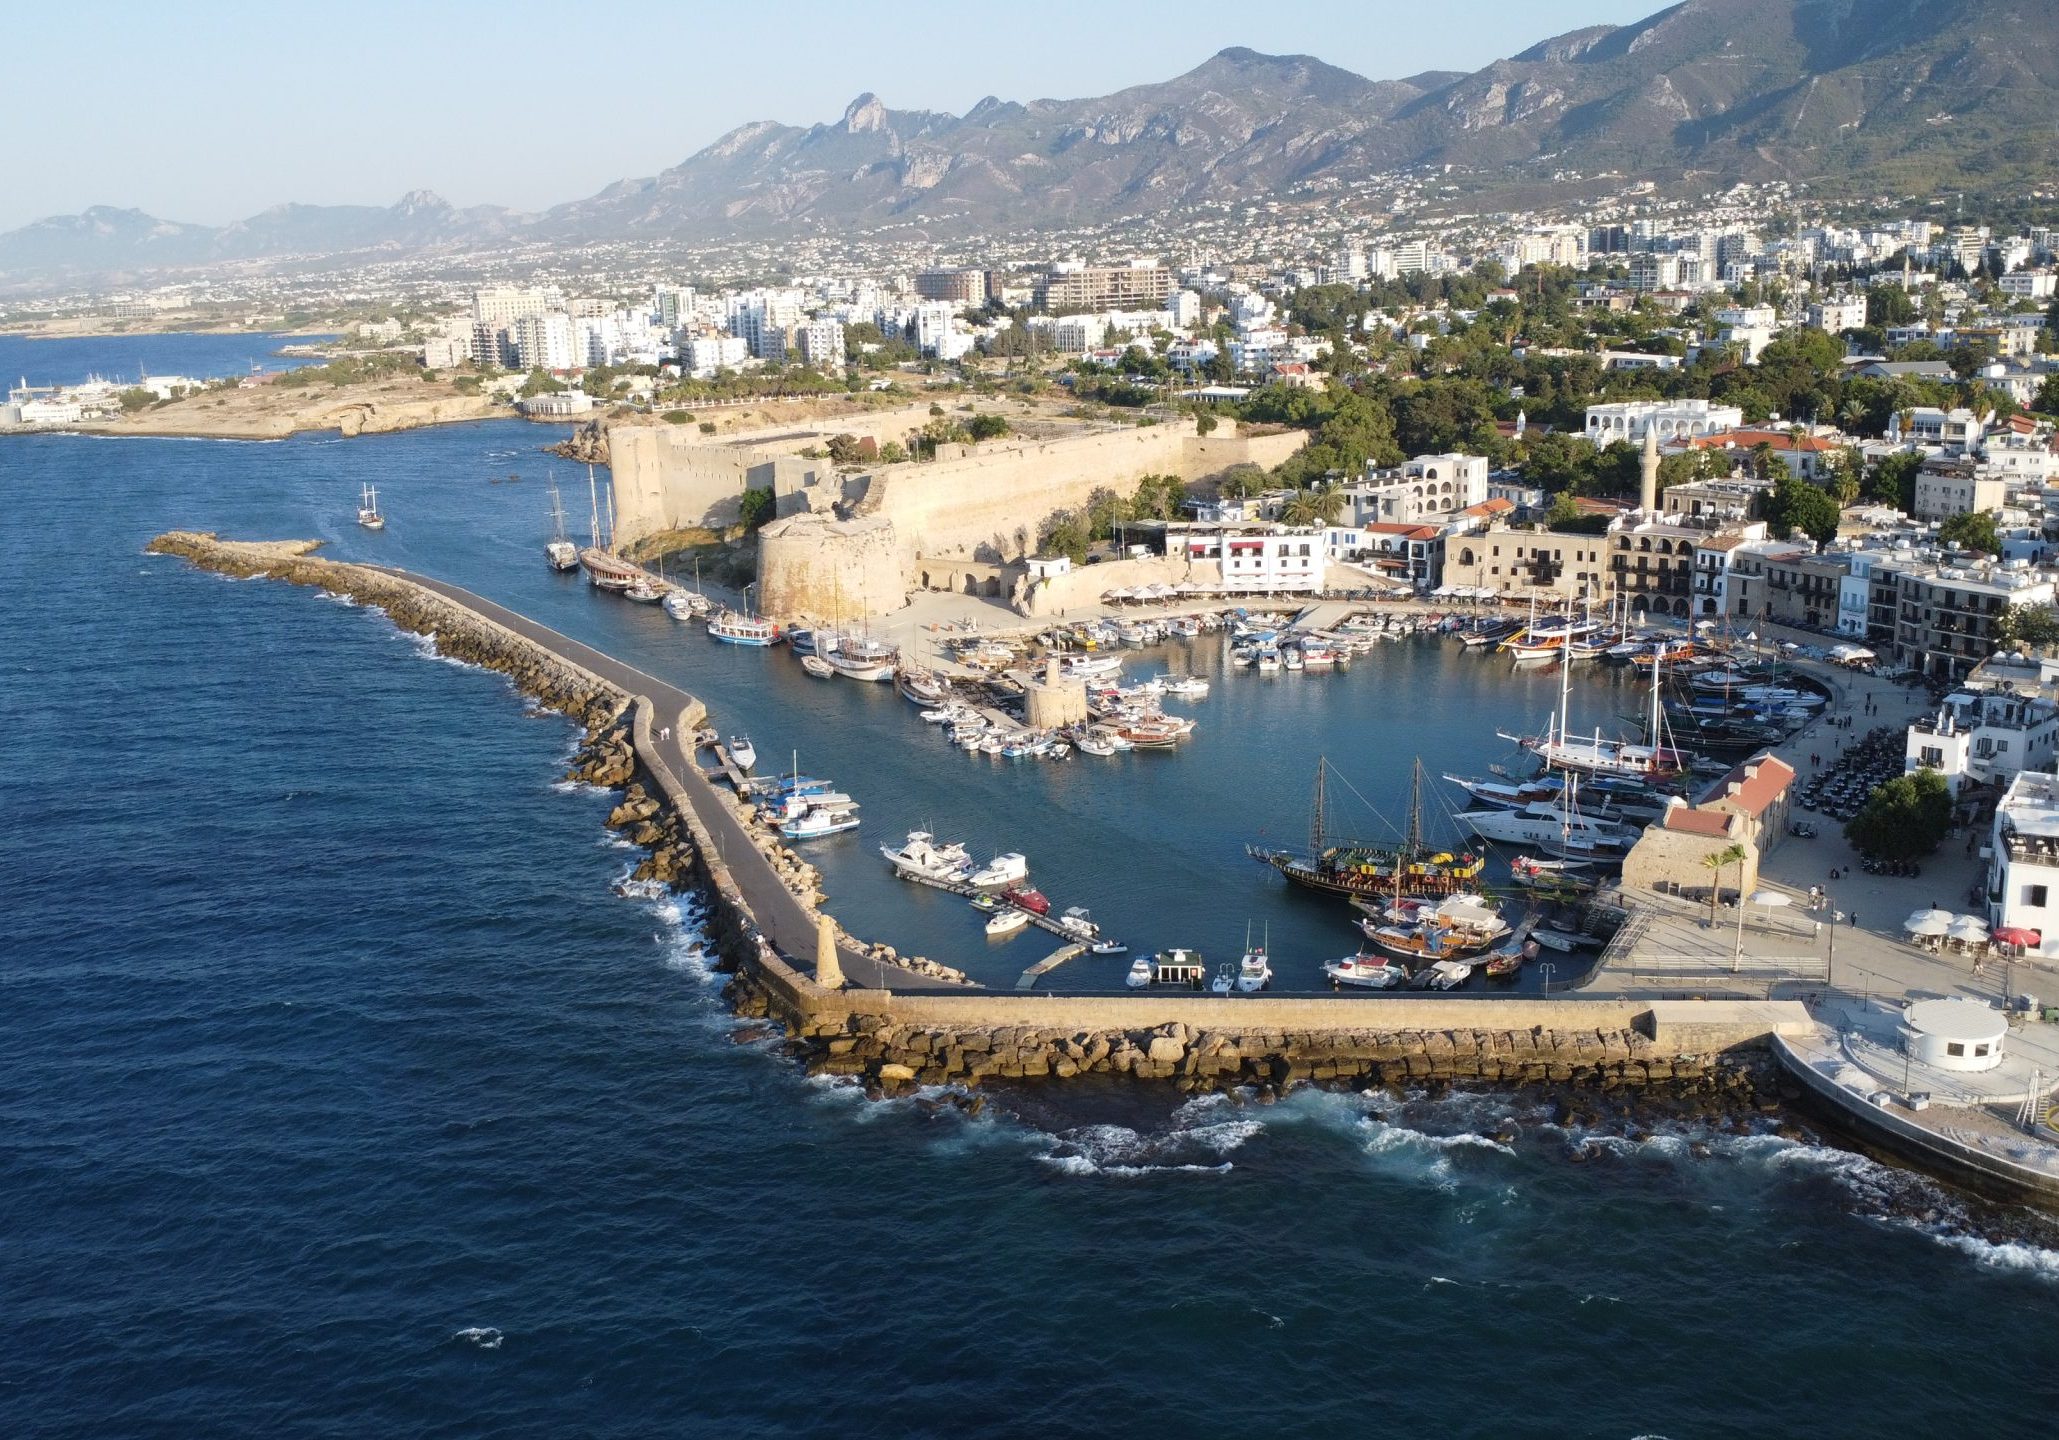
1354	868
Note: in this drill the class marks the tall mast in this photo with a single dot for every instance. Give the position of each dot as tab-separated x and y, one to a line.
1315	820
593	496
1414	841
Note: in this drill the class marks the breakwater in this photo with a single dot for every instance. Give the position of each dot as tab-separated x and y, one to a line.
897	1023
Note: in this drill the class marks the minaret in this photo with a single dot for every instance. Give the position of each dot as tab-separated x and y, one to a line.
1648	489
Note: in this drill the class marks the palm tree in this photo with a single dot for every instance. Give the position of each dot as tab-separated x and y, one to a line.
1714	862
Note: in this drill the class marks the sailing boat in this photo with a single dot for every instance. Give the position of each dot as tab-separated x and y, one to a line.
560	551
368	510
1593	755
603	570
1353	867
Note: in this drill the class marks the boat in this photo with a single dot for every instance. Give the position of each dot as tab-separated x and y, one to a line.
1183	969
921	855
1006	921
1647	760
742	751
1107	947
1563	941
1504	964
820	668
642	591
685	605
1254	971
1548	824
368	509
1224	983
1407	867
1027	898
1187	687
1463	925
559	552
1007	868
733	627
860	658
922	687
1268	659
1077	921
1140	973
1095	743
1365	971
1444	975
818	820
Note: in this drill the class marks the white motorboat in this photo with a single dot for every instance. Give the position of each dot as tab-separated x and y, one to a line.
1444	975
819	820
1268	660
1006	922
685	605
1107	947
1078	922
1004	869
857	667
1093	743
742	751
1089	667
643	592
1140	973
1365	971
368	509
921	855
1255	972
1563	941
1545	823
1186	687
1224	983
820	668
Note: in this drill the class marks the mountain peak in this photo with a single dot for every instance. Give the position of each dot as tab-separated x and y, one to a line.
865	113
417	202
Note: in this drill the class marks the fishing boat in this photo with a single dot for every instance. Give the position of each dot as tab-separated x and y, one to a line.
1267	659
1504	964
1367	972
733	627
559	552
819	820
1092	742
1006	921
642	591
1008	868
1186	687
820	668
368	509
1409	866
920	855
742	751
1224	982
921	687
1254	971
859	657
1563	941
1078	921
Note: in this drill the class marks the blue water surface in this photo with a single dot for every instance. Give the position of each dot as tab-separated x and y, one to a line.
342	1094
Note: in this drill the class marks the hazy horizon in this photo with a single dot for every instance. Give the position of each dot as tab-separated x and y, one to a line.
210	116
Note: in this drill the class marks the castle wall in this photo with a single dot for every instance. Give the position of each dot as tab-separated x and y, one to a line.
818	569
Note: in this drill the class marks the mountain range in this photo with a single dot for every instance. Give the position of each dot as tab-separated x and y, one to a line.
1893	95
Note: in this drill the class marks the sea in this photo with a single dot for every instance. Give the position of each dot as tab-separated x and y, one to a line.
75	359
350	1089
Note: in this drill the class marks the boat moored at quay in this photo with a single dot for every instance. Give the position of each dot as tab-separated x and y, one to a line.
1409	867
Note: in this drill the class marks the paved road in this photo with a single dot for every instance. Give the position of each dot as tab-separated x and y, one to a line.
780	914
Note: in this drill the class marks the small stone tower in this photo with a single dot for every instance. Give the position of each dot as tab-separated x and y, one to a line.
828	973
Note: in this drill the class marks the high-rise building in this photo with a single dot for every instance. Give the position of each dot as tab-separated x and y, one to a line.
544	342
1142	284
964	288
822	344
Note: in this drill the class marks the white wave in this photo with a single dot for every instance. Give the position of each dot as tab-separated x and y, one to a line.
425	646
484	1336
1117	1150
335	597
579	787
2016	1255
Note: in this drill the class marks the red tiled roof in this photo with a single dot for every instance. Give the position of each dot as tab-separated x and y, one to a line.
1752	786
1748	439
1690	821
1399	527
1495	506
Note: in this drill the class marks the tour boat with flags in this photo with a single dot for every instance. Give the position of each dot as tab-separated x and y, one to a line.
368	509
733	627
1409	866
1560	749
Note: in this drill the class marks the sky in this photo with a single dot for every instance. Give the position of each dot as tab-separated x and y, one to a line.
211	111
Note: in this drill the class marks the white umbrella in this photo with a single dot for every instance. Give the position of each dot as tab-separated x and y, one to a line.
1967	927
1771	899
1928	922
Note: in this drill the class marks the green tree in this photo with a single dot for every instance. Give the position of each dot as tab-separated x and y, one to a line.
1065	533
987	427
1904	819
1974	532
1313	507
1564	511
136	398
2046	401
1716	862
1796	505
2027	627
754	509
1893	480
538	383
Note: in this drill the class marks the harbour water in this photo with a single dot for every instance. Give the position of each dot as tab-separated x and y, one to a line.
344	1093
70	360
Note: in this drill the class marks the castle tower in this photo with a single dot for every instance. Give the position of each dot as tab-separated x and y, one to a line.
1648	488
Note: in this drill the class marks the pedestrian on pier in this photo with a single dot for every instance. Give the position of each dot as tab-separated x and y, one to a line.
1855	919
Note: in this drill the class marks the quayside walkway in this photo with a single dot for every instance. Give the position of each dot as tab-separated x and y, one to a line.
781	915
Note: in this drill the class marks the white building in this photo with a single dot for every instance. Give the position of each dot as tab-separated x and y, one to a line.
1257	560
2023	863
2030	284
822	344
1628	420
544	342
705	354
1838	313
1427	486
1985	737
